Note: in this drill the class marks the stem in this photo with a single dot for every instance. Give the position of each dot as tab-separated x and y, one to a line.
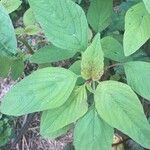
94	86
26	44
23	129
113	65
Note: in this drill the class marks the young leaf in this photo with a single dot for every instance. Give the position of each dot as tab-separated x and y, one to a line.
11	5
44	89
137	31
92	133
29	18
32	29
112	49
147	5
8	42
119	106
93	60
63	21
138	77
74	108
99	14
50	53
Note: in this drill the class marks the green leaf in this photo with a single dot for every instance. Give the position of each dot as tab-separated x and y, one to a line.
63	22
8	42
17	68
76	67
51	53
99	14
19	31
11	5
138	77
93	60
29	18
44	89
4	66
92	133
32	29
57	133
119	106
137	21
112	49
74	108
147	5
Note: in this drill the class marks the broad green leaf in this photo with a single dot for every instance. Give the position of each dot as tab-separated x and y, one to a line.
4	66
147	5
63	22
57	133
8	42
51	53
137	21
138	77
29	18
99	14
44	89
76	67
93	60
10	5
17	68
120	107
74	108
92	133
112	49
32	29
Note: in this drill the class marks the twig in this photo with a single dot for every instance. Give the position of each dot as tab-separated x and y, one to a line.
113	65
24	129
26	44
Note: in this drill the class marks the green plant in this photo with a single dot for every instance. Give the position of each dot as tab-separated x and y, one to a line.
5	129
97	92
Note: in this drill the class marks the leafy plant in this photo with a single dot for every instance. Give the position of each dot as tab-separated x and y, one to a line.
5	130
96	94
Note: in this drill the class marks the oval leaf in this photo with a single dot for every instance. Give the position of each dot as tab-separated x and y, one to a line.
74	108
119	106
137	17
92	133
29	18
11	5
8	42
112	49
147	5
63	21
51	53
138	77
44	89
99	14
92	63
